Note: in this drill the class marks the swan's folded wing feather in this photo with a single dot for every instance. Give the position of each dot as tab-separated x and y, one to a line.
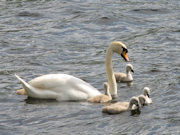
49	81
58	83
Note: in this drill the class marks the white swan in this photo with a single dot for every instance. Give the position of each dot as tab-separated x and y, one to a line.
101	98
125	77
121	106
70	88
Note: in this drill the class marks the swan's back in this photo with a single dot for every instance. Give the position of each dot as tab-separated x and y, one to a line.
55	80
50	81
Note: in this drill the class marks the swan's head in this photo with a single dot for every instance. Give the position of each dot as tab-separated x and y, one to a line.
129	67
142	100
135	101
146	91
120	48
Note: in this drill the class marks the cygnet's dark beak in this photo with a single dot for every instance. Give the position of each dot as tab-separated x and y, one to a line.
137	105
132	70
148	95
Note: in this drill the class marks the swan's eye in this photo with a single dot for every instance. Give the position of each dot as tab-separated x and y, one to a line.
125	50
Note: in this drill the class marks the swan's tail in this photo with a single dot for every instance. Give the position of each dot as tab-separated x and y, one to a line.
29	89
35	92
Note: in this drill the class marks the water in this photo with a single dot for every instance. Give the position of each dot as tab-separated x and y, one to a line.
41	37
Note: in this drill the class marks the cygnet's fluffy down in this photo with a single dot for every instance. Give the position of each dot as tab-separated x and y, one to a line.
101	98
121	106
146	92
125	77
145	98
142	100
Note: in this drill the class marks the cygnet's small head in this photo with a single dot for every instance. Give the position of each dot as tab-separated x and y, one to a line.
129	67
146	91
120	48
106	86
135	101
142	100
106	89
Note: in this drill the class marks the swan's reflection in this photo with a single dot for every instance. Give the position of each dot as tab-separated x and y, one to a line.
30	100
129	83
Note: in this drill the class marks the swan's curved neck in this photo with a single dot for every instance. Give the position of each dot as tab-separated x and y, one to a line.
110	72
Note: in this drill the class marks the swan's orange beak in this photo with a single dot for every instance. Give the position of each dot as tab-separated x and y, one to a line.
124	55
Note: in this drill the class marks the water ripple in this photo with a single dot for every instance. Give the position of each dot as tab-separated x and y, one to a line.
41	37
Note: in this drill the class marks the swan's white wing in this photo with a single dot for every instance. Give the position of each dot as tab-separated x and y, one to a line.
61	82
66	87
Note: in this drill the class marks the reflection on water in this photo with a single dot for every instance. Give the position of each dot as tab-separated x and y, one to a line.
135	112
29	100
41	37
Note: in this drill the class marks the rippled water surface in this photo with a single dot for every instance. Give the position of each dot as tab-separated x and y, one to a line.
56	36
